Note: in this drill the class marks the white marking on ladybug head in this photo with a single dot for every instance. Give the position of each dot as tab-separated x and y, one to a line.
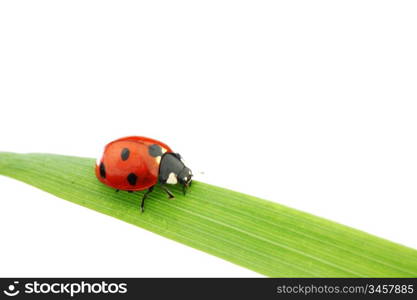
158	160
172	178
163	150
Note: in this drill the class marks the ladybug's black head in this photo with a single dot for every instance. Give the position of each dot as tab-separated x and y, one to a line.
184	176
172	170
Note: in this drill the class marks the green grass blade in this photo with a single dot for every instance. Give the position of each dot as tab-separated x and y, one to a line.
265	237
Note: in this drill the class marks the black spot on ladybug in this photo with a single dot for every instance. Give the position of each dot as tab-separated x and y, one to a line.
155	150
132	178
125	154
102	170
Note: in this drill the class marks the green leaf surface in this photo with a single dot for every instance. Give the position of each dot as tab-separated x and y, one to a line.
263	236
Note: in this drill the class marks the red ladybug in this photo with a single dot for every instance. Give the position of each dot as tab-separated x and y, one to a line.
137	163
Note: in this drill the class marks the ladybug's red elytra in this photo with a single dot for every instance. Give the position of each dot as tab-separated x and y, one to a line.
137	163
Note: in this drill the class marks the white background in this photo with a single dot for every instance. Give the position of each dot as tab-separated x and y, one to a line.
307	103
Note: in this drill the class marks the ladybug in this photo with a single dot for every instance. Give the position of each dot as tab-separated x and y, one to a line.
137	163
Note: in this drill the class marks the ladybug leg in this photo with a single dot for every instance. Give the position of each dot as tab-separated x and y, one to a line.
170	195
117	190
142	205
185	187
